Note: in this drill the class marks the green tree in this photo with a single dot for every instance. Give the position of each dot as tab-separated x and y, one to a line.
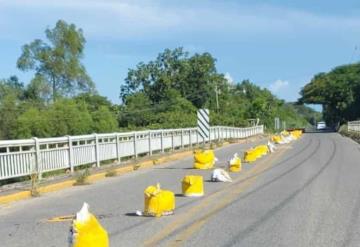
66	117
38	90
9	111
11	86
32	123
11	94
193	77
338	91
104	121
58	62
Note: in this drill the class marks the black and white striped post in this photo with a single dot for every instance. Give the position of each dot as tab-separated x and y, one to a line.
203	124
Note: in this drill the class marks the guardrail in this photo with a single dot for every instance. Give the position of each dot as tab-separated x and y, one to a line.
23	157
354	126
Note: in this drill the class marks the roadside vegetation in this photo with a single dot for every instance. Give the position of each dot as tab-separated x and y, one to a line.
61	98
338	91
343	130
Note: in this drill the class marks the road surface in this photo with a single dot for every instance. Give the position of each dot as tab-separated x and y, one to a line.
305	194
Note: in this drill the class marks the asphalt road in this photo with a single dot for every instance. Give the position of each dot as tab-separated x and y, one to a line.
305	194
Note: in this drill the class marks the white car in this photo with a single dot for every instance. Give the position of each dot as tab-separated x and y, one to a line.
321	126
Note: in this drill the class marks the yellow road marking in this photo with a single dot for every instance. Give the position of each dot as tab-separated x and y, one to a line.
92	178
62	218
189	215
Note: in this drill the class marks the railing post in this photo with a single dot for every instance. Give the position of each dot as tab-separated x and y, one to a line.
219	137
190	138
172	140
182	138
37	167
118	147
150	148
162	141
97	151
135	150
71	154
197	138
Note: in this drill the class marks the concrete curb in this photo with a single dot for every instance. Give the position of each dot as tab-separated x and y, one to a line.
97	176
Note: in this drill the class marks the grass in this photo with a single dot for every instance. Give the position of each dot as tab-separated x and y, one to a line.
82	177
156	161
111	173
34	185
136	166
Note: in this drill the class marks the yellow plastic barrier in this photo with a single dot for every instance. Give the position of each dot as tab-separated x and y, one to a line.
204	159
86	231
250	155
158	202
277	139
193	186
253	154
285	133
235	164
296	134
262	149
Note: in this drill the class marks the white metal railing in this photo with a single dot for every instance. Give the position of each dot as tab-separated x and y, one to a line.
354	126
22	157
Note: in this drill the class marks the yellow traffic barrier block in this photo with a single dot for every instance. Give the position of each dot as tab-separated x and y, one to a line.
235	164
250	155
193	186
158	202
86	231
285	133
277	139
204	159
296	134
262	150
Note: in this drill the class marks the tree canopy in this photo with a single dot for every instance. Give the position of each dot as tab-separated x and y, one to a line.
164	93
58	62
168	91
338	91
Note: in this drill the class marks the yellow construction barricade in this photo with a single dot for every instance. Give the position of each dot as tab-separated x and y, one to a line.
250	155
296	134
285	133
86	231
235	164
277	139
193	186
204	159
262	150
158	202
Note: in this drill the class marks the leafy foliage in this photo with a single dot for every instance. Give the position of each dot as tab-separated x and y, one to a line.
163	93
167	91
338	91
58	63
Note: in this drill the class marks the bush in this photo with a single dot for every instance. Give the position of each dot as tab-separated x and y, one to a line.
82	178
343	130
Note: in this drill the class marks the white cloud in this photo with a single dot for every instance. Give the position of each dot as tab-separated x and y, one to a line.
229	78
127	19
278	85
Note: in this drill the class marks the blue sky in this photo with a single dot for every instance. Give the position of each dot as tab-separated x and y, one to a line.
277	44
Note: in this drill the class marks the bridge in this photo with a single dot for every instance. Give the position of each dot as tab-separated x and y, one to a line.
306	193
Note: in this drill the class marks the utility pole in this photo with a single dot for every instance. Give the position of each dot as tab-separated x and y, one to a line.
217	98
